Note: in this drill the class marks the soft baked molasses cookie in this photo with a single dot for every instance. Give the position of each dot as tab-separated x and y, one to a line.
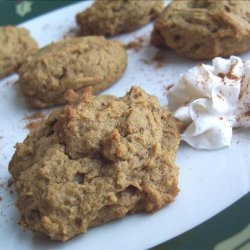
204	29
15	44
107	17
71	64
97	159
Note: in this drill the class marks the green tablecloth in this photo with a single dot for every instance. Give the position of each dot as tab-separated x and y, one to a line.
18	11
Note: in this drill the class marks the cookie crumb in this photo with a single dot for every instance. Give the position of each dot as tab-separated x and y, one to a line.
133	45
136	44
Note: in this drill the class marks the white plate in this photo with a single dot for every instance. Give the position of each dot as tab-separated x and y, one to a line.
209	180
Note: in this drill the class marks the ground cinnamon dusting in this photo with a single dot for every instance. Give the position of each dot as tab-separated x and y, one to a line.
247	113
229	75
221	75
220	97
133	45
169	87
136	44
159	59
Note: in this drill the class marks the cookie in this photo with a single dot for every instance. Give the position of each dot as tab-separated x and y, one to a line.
15	44
107	17
71	64
204	29
95	160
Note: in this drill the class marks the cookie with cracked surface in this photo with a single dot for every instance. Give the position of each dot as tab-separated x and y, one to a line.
15	44
204	29
95	160
74	63
107	17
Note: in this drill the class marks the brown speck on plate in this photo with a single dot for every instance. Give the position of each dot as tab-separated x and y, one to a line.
169	87
136	44
10	182
159	59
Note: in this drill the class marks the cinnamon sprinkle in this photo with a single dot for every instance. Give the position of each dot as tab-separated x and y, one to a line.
136	44
169	87
229	75
159	59
247	113
133	45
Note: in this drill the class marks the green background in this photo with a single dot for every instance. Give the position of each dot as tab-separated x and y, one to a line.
8	15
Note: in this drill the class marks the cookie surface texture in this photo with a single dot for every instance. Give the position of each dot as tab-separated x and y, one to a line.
71	64
95	160
204	29
107	17
15	44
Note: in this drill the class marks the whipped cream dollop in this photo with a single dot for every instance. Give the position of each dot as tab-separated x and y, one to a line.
211	100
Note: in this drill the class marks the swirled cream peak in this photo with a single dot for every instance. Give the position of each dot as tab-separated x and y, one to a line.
211	100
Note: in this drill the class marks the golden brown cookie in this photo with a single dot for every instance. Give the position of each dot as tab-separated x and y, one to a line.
95	160
15	44
107	17
204	29
71	64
